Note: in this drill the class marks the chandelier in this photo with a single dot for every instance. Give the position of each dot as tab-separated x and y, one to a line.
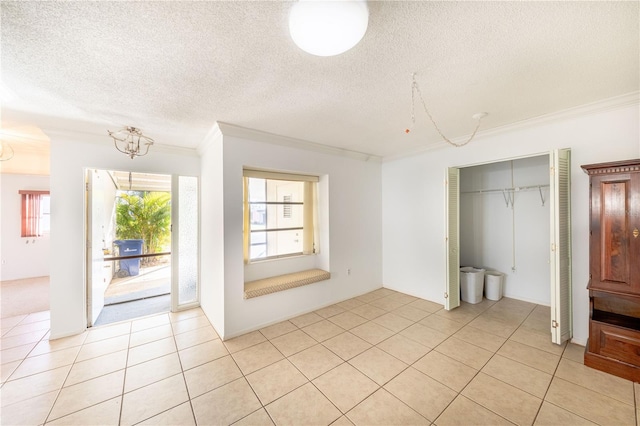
131	141
6	151
416	89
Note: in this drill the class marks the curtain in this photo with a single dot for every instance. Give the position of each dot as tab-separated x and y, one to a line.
308	214
246	225
31	213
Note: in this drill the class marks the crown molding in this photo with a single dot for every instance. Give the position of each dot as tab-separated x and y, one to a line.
90	136
102	140
604	105
207	142
271	138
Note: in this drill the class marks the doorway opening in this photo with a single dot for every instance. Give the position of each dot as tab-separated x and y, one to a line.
514	216
129	271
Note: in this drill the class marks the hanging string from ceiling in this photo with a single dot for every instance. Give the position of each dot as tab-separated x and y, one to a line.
416	89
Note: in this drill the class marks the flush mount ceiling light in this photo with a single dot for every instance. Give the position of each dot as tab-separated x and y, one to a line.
131	141
416	89
328	28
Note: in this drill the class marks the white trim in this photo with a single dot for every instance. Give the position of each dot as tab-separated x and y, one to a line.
253	172
257	135
207	142
225	337
99	139
54	336
615	102
226	129
576	341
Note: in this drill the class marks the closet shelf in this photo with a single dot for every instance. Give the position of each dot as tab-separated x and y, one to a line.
512	189
508	193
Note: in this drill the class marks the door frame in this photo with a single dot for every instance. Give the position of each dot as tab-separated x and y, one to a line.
175	235
561	307
93	253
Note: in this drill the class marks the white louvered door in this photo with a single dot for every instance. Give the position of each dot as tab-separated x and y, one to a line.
560	195
452	292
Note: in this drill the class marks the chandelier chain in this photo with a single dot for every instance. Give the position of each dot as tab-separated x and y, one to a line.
415	88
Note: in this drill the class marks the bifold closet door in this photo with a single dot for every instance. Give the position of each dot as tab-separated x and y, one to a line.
452	292
560	257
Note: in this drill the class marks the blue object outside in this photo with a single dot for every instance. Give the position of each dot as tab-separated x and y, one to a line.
129	248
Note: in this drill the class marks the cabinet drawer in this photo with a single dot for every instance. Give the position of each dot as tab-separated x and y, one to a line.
615	342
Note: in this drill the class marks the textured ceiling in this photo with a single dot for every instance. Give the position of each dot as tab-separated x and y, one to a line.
174	68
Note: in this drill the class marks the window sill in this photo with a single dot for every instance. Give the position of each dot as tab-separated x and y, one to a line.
284	282
278	258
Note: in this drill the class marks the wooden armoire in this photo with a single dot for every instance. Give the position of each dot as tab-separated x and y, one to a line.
614	269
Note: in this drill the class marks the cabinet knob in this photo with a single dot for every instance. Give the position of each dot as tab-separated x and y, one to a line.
636	233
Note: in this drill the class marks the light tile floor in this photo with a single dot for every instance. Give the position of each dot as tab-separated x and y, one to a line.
381	358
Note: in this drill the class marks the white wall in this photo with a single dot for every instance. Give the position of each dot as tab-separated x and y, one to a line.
512	239
20	257
413	196
350	233
70	155
212	231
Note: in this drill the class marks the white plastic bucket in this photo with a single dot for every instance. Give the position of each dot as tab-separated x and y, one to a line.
471	284
493	285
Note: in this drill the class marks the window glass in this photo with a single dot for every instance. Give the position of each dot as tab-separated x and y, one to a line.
276	221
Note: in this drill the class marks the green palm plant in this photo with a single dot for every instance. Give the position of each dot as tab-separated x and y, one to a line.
145	216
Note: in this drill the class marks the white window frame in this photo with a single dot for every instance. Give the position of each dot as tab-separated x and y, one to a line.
309	203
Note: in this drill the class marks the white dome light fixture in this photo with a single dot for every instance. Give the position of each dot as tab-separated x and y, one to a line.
328	27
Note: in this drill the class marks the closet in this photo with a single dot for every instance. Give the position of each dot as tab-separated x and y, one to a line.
513	216
504	224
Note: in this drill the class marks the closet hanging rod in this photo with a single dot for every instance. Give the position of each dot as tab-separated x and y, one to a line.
513	189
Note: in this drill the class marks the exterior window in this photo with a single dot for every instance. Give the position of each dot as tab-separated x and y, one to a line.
36	213
286	208
279	215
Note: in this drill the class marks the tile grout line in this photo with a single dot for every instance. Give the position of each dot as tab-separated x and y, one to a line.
22	361
62	387
244	376
124	380
309	381
171	324
379	387
287	358
480	370
193	413
554	370
408	365
459	393
579	385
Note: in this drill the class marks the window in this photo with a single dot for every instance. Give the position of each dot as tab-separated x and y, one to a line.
286	208
279	211
35	216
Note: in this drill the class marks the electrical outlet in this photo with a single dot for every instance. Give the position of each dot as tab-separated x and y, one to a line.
348	271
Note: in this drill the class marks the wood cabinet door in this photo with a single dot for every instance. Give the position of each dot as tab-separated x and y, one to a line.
615	248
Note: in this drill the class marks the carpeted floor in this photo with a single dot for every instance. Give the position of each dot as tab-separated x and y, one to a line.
26	296
30	295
